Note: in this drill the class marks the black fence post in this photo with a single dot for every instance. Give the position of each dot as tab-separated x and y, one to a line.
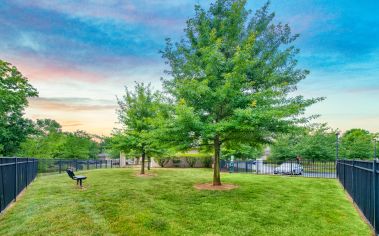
15	179
87	164
60	165
374	191
26	172
352	179
76	164
111	164
344	170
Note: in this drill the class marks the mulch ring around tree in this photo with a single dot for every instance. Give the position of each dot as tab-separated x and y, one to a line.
210	186
145	175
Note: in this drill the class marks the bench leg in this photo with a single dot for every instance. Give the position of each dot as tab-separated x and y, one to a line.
81	183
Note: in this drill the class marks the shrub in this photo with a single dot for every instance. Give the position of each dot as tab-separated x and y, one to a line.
162	161
207	161
191	158
191	161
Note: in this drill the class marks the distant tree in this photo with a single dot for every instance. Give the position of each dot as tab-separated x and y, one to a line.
106	146
14	91
139	113
232	76
48	141
285	147
47	126
316	143
357	144
243	151
78	145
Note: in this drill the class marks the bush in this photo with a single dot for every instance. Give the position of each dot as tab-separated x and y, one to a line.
191	161
207	161
162	161
192	158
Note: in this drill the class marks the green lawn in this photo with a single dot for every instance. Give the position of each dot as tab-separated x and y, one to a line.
116	202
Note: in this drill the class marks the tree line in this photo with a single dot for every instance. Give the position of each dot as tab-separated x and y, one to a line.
319	142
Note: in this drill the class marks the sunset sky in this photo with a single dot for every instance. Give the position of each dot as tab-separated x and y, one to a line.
81	54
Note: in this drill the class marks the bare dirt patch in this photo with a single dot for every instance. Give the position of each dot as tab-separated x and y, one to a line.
210	186
146	175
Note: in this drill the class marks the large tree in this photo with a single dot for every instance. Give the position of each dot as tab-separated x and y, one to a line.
232	74
140	112
14	92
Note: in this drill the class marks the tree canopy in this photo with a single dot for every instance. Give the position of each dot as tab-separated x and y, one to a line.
49	141
14	92
357	144
316	142
232	76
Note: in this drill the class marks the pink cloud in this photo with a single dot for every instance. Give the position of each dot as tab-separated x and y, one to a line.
70	104
37	69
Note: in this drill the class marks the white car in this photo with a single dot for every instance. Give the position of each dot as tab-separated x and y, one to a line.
289	169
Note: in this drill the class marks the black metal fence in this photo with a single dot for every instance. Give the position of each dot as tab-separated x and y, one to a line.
60	165
360	180
15	175
305	168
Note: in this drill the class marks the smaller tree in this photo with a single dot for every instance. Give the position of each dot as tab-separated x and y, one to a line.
140	112
357	144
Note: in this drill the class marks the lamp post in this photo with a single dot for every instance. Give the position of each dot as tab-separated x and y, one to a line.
337	143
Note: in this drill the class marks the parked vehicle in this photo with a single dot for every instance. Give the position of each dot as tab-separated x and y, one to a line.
289	169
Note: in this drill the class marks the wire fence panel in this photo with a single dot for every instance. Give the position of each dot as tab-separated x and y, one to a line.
15	175
360	180
305	168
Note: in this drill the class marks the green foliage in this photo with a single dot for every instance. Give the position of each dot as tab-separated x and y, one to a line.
50	142
191	161
232	76
357	144
162	160
242	151
207	162
315	143
14	91
192	158
106	146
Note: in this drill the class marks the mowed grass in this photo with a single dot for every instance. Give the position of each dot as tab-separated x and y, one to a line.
116	202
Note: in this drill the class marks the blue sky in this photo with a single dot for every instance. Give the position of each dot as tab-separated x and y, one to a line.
80	54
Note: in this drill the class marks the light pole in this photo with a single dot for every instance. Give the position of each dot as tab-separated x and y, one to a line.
337	143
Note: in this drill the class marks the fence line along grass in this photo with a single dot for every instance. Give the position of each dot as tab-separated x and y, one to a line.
117	202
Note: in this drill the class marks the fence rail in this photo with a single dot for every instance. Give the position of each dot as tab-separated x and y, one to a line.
15	175
360	180
305	168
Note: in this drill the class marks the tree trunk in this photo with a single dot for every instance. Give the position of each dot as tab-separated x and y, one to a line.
148	162
143	163
216	168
